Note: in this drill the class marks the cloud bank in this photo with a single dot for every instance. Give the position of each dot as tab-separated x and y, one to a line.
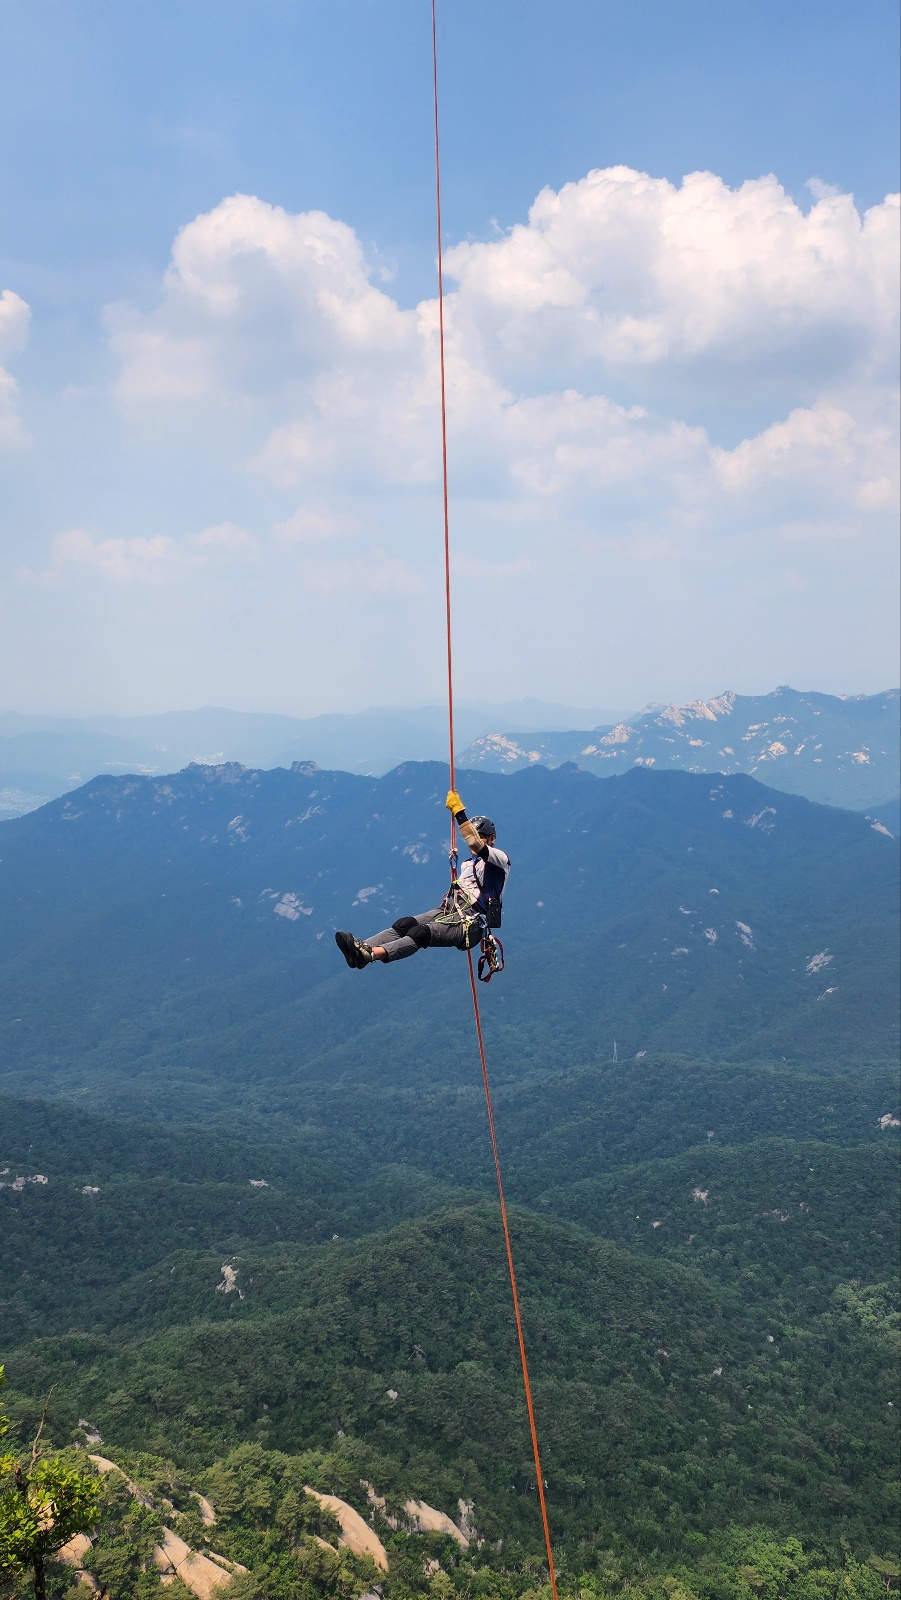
672	416
15	316
579	345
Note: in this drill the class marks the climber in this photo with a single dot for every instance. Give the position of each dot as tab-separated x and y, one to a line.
473	903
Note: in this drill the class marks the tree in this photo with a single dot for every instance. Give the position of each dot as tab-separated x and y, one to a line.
889	1571
42	1505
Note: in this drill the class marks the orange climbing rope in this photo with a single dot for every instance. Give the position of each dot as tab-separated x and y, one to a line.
450	718
447	581
516	1312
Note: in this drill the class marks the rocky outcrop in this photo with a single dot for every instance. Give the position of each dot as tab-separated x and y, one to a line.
74	1554
204	1575
425	1519
355	1535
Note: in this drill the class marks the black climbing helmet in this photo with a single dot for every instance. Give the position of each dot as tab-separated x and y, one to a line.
485	827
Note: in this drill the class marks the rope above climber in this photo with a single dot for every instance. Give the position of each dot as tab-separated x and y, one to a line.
466	916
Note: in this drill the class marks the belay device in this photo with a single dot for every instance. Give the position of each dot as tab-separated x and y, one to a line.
491	956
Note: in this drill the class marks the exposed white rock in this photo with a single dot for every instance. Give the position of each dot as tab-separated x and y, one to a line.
204	1575
426	1519
699	710
819	961
73	1553
417	852
359	1538
292	907
103	1464
324	1545
207	1514
229	1281
466	1509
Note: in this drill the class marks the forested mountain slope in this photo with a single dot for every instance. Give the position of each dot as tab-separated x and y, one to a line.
184	1292
89	1205
297	1249
173	938
666	1403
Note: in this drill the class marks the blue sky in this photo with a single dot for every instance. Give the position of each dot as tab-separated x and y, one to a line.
251	516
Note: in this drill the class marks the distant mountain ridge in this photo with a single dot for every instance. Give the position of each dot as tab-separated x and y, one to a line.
42	757
839	750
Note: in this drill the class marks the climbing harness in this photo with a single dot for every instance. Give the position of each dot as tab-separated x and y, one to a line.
491	959
457	908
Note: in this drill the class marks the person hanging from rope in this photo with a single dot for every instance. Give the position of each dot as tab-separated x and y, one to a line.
472	906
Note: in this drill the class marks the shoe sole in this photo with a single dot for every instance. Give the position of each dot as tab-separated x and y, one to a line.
345	943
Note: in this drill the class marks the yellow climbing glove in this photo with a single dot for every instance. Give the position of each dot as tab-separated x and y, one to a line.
454	803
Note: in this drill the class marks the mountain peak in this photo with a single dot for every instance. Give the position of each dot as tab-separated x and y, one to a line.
221	772
842	750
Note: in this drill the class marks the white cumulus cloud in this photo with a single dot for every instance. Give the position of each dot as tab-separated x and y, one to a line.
15	316
582	347
153	560
258	302
622	271
673	440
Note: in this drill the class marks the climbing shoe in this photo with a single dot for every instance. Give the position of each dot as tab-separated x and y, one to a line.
355	953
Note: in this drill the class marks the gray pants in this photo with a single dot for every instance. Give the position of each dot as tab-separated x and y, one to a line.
446	935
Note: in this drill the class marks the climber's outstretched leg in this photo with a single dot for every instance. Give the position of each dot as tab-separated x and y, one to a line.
405	937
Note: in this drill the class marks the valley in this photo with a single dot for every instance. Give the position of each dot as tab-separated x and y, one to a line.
249	1233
